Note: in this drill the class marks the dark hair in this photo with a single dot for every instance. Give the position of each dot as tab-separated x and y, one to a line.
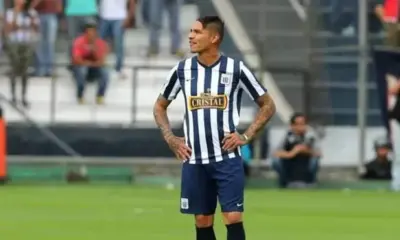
295	116
91	23
215	22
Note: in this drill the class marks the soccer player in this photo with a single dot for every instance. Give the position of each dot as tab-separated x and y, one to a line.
212	86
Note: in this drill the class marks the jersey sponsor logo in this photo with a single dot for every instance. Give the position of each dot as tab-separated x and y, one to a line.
184	203
207	101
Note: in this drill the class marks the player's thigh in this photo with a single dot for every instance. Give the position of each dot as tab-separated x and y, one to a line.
230	180
198	190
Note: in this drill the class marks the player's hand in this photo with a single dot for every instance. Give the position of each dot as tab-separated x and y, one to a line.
233	141
178	146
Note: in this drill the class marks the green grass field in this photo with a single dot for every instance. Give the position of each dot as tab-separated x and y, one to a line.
126	212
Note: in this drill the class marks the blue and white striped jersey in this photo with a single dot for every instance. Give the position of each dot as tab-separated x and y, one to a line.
212	96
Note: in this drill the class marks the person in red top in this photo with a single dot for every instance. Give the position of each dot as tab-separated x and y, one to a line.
89	53
388	13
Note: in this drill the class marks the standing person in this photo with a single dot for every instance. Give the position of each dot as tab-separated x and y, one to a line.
114	19
45	51
156	9
212	85
21	36
78	13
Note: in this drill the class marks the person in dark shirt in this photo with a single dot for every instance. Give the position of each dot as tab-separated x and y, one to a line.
296	159
380	167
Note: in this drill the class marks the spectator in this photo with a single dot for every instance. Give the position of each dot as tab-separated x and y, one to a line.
156	9
48	10
114	18
297	157
380	167
21	35
89	54
79	12
388	13
1	9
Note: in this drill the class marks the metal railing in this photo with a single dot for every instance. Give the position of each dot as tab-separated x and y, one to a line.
135	84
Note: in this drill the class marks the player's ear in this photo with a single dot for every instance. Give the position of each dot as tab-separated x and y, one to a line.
215	38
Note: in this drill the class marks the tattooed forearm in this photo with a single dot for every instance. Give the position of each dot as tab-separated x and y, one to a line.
265	113
161	117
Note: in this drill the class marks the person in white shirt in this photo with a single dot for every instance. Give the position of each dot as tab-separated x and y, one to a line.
115	17
21	38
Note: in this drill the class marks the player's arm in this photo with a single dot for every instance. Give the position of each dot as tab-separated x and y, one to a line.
168	93
259	94
266	111
161	117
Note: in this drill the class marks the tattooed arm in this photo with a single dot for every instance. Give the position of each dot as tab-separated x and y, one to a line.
161	117
168	93
255	90
258	93
177	144
265	113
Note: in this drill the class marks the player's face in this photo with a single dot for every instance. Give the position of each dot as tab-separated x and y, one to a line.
299	126
200	39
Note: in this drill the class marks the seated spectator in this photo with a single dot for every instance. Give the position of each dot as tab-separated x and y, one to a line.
77	13
89	55
379	168
297	157
20	36
389	15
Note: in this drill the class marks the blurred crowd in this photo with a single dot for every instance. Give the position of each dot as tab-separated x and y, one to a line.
94	29
296	159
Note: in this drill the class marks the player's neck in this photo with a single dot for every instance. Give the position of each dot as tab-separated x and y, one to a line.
208	58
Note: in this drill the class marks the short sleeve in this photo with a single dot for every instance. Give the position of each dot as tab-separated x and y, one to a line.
76	48
281	144
250	84
313	141
172	85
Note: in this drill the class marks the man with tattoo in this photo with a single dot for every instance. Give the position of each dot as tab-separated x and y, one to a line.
212	85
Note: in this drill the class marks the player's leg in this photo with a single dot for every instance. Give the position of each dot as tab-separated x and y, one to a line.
199	198
229	175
